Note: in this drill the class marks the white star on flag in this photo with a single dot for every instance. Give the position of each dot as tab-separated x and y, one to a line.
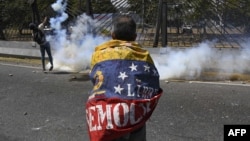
122	75
146	68
133	67
155	72
118	89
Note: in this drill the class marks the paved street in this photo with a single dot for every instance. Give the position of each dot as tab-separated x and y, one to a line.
50	107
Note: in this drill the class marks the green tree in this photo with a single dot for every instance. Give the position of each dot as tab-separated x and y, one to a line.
102	6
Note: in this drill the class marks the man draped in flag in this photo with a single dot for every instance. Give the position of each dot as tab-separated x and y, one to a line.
126	86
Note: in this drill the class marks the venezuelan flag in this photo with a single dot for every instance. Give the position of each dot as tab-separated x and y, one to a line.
125	92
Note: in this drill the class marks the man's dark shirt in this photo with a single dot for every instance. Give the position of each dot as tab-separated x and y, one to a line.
39	37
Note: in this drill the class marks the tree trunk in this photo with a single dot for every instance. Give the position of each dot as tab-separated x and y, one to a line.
36	16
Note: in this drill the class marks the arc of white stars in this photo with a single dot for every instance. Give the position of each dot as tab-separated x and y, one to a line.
118	89
146	68
122	75
133	67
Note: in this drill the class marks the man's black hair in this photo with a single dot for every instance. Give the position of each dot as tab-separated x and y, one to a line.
124	28
32	26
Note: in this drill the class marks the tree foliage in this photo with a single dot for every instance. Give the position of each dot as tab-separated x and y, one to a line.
102	6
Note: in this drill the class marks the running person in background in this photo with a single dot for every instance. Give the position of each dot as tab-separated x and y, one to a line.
126	86
40	38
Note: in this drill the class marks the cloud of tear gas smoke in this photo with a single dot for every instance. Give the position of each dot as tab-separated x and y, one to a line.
72	51
175	63
191	62
235	61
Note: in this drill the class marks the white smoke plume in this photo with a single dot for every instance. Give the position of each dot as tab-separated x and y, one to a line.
72	51
189	63
182	63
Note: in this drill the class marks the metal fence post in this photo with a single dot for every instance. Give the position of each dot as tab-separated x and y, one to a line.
158	24
89	8
164	26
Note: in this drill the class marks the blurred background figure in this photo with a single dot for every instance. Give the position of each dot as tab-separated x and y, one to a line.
40	38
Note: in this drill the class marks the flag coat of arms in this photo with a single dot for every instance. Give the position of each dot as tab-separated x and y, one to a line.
125	92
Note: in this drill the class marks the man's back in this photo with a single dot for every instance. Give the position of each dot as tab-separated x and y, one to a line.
39	37
126	89
128	65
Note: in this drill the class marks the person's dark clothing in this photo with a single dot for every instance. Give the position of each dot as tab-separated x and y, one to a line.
40	38
46	47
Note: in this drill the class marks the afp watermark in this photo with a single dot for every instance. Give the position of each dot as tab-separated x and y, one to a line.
236	132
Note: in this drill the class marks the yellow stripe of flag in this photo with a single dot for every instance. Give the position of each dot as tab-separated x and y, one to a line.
116	49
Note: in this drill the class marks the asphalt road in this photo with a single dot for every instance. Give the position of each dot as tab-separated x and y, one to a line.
35	106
